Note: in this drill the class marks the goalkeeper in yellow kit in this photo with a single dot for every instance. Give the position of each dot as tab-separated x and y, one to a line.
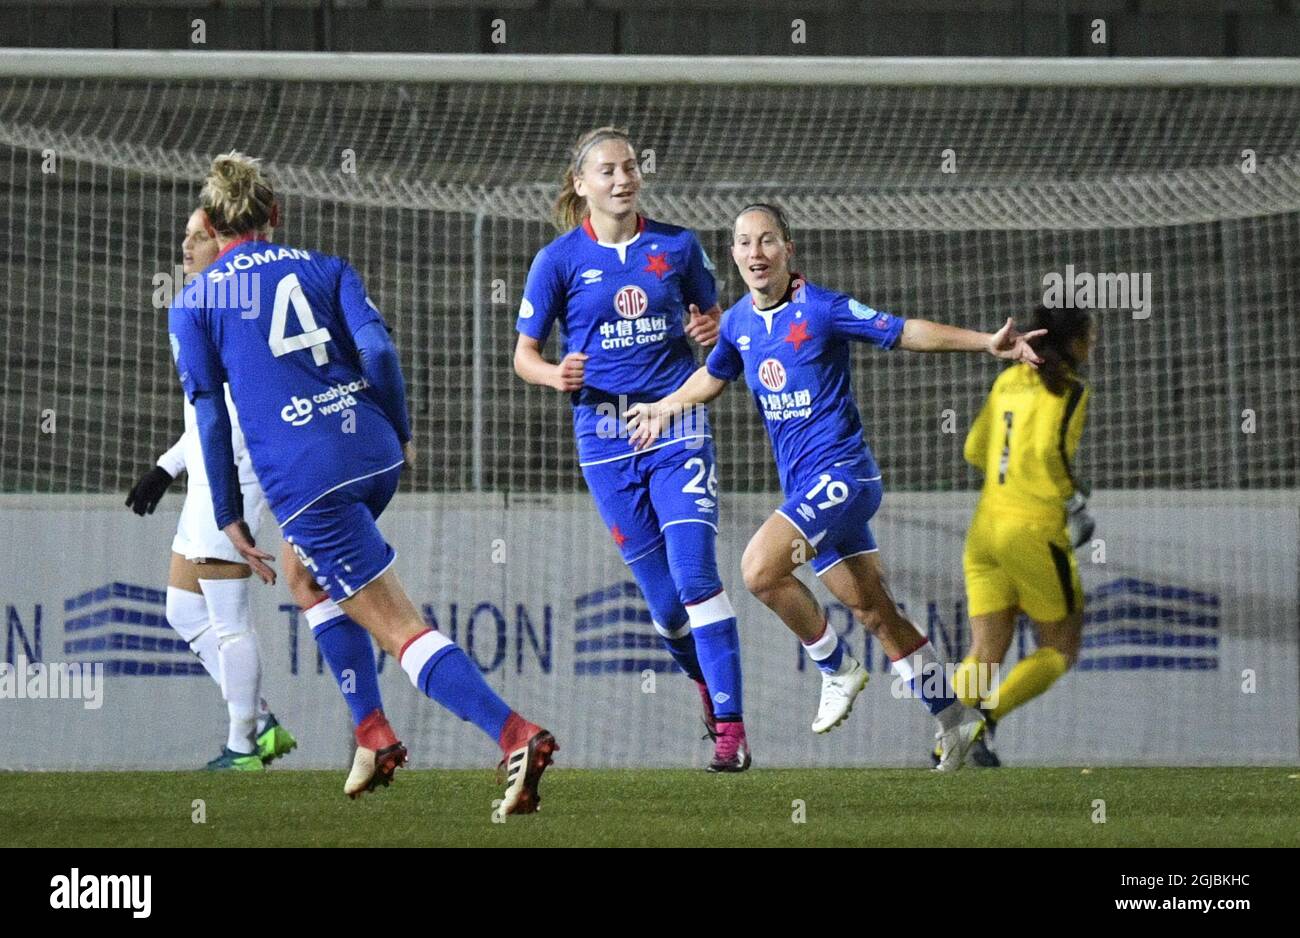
1032	514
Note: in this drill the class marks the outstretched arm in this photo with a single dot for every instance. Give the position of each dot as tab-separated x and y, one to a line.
922	335
700	388
645	422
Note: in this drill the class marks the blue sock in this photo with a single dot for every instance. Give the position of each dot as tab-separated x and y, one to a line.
831	664
692	558
717	643
925	677
685	653
453	680
666	611
348	651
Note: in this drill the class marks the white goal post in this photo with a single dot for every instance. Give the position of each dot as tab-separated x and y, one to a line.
166	65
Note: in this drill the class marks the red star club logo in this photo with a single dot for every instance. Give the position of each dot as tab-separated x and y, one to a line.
798	334
619	537
657	264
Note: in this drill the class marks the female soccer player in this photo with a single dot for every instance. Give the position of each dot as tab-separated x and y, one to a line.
321	399
790	338
344	645
619	284
1032	514
207	586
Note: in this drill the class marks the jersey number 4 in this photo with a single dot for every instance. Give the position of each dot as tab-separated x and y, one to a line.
289	292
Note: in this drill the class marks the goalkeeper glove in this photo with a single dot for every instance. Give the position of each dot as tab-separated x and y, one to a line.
1078	522
148	492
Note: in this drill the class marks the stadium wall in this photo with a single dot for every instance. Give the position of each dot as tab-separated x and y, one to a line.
1190	652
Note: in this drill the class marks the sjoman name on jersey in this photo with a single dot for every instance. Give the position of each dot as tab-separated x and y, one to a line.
251	259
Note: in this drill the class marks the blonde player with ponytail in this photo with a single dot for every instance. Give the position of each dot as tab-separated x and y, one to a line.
628	292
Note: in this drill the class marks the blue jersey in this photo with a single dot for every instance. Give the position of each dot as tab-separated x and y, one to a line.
624	306
277	323
795	358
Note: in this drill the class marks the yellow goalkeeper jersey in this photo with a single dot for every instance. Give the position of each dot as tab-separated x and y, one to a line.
1024	440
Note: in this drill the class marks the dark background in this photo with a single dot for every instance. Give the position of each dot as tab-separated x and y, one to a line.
672	27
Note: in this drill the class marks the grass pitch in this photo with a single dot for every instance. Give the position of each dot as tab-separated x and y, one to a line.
1220	807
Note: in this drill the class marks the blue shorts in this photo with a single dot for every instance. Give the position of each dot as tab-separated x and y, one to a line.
834	512
336	537
639	496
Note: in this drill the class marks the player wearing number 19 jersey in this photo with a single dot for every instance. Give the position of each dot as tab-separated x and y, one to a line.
321	399
790	340
619	285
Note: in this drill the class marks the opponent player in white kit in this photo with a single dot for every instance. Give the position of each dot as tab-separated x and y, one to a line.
207	587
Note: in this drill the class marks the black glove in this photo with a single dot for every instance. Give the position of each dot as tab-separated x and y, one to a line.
148	492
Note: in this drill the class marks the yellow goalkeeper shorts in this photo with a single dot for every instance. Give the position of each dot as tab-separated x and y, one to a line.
1011	562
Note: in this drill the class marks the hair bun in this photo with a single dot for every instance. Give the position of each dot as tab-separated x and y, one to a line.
236	196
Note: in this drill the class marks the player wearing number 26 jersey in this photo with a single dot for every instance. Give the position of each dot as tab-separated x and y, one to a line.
626	293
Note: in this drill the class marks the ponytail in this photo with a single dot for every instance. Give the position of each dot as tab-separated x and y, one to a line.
1064	327
570	208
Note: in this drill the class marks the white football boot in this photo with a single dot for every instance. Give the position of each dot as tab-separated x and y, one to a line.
838	693
954	744
373	769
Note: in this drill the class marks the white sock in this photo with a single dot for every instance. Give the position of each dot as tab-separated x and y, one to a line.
263	715
825	646
241	664
418	653
922	665
187	613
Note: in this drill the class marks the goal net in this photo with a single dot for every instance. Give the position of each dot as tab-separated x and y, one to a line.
944	199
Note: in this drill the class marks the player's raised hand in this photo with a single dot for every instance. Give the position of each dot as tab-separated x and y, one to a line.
1013	345
644	423
253	555
408	454
703	327
569	376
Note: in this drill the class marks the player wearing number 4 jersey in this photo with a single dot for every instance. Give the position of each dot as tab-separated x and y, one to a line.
790	339
320	395
618	284
216	636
